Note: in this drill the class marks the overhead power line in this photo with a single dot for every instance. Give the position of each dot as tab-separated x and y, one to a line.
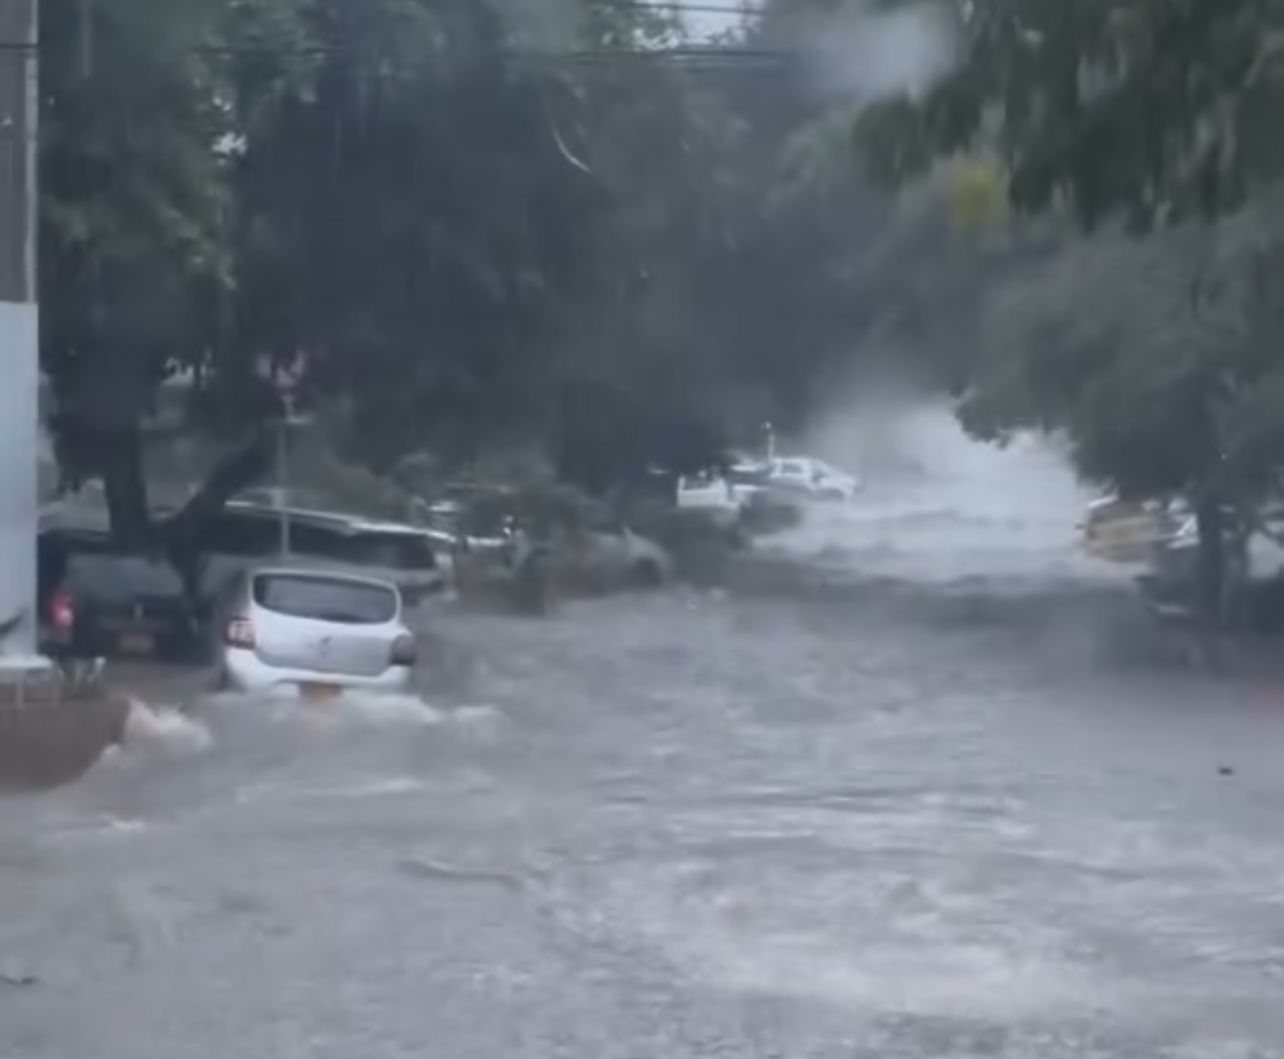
699	9
677	51
690	57
680	7
661	52
686	54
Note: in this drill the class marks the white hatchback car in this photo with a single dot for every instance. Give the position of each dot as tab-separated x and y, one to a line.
314	629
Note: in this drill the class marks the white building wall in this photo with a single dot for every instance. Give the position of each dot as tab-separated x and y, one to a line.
19	432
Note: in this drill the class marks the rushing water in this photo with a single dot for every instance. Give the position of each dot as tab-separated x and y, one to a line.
940	508
838	809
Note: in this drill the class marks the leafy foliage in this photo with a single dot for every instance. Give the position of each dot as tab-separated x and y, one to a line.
131	251
485	225
1154	343
1154	109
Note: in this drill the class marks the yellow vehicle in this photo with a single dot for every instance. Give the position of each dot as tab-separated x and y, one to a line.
1123	531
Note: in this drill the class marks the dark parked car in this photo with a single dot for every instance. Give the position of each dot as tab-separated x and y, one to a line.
99	599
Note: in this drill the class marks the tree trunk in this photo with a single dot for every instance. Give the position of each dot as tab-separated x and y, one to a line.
238	469
1210	572
121	459
186	535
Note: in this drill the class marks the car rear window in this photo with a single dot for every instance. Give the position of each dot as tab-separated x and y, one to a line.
325	598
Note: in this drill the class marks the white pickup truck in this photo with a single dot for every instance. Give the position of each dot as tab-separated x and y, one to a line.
812	478
711	493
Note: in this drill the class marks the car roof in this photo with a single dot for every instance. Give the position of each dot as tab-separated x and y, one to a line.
814	461
285	567
89	521
332	519
1107	500
74	519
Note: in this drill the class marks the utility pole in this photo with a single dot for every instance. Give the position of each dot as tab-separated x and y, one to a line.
285	377
19	344
283	470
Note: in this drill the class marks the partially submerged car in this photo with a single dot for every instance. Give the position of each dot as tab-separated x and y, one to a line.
314	630
745	496
1124	531
812	478
246	531
714	494
607	554
96	598
468	521
496	531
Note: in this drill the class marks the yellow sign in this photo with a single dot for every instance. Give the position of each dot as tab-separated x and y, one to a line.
978	193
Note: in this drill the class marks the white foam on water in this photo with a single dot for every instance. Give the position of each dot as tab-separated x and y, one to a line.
964	509
381	709
379	787
164	731
99	826
479	722
382	788
288	705
123	826
959	982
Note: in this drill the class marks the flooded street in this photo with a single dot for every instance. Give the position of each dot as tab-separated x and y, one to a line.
901	790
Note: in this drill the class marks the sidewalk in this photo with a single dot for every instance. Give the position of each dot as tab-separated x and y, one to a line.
44	743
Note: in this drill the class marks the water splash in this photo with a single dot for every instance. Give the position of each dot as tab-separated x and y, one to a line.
940	507
164	731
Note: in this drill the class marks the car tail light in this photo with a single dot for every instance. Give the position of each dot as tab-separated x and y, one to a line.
404	651
239	633
62	611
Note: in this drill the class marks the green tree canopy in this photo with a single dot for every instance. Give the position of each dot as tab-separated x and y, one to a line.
1154	343
484	225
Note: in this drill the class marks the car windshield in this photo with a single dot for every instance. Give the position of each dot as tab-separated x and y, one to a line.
332	599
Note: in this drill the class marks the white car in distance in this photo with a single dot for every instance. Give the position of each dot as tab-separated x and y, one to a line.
315	630
813	478
711	493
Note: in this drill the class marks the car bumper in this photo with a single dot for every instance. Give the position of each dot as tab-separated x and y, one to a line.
721	514
57	643
245	671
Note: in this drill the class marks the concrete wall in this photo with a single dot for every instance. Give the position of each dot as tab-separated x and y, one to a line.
19	433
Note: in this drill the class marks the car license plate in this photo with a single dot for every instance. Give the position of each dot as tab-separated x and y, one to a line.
136	643
313	692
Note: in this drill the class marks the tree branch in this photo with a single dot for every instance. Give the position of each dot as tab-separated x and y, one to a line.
185	535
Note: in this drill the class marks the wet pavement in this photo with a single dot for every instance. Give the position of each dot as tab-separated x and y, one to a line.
834	810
